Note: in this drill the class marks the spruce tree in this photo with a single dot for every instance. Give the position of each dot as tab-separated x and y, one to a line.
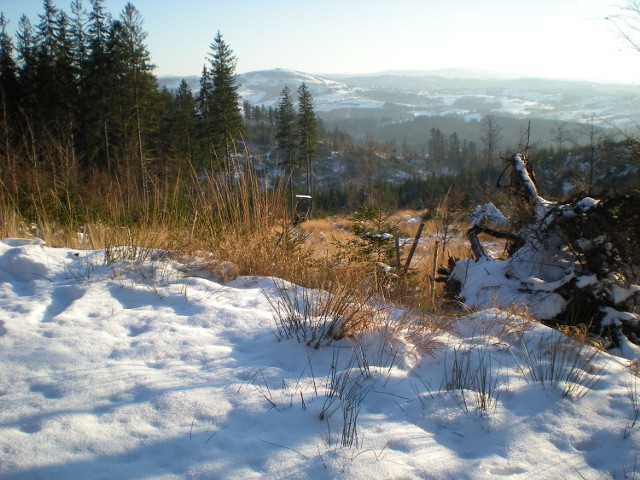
307	131
225	119
136	91
184	122
27	63
203	130
138	78
79	38
98	86
64	87
45	81
9	98
26	48
9	90
286	134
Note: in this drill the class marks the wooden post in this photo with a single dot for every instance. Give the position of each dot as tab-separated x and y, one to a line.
413	247
303	209
434	269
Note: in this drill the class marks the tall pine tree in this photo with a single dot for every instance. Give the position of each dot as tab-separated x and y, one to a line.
203	130
307	131
183	132
9	97
225	119
9	91
98	85
286	134
136	89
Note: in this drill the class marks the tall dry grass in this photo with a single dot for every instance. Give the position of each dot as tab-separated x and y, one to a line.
234	216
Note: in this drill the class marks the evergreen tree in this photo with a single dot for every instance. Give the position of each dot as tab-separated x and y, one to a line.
184	122
437	147
454	148
26	48
247	111
9	91
491	138
203	99
136	90
45	81
98	85
46	35
64	87
78	36
286	134
225	119
79	39
137	74
9	97
307	130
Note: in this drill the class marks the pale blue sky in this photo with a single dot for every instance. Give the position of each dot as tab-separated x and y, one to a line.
545	38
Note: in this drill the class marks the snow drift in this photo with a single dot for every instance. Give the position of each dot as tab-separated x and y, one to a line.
150	369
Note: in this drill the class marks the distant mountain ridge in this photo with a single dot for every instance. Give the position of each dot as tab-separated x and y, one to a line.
452	72
465	92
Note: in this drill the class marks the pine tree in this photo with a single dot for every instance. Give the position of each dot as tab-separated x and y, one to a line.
184	122
27	63
491	138
26	48
203	99
9	96
136	90
64	75
46	34
454	151
98	85
9	90
45	81
437	147
224	105
138	75
307	131
79	38
286	134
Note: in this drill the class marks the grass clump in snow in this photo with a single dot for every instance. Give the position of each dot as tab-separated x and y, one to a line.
318	317
560	361
345	389
632	391
472	376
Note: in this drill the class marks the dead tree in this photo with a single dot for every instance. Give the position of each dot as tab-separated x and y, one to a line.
569	263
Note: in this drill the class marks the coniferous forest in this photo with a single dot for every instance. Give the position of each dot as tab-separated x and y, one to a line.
81	108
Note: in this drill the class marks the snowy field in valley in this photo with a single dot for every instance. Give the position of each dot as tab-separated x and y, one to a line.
147	368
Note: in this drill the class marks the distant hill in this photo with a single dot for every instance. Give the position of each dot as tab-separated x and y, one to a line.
461	92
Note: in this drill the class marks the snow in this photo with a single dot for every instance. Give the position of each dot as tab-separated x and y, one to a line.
488	283
149	368
488	214
587	203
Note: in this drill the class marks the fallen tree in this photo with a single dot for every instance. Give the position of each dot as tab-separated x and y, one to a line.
572	263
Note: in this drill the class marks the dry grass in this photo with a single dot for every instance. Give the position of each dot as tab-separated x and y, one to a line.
317	317
234	226
412	288
243	228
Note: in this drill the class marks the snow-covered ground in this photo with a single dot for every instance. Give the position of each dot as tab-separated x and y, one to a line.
147	368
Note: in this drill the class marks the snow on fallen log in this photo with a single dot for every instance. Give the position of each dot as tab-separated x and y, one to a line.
568	263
